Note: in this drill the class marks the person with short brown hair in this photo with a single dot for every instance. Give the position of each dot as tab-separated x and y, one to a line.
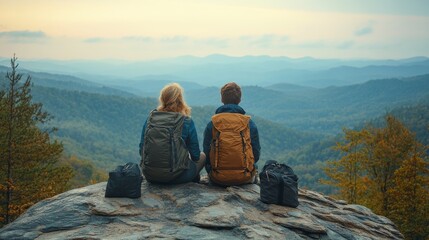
231	93
228	117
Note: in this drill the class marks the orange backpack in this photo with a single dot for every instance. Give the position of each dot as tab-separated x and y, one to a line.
231	155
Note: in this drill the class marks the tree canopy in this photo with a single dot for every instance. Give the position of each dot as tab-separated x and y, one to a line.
29	170
385	169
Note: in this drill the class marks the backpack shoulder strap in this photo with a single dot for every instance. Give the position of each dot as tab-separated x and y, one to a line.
230	121
150	117
165	119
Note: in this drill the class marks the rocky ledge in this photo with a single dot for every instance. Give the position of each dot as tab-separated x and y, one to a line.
195	211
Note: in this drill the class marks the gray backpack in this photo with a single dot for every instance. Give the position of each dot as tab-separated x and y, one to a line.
164	153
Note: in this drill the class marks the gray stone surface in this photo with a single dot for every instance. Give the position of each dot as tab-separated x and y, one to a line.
195	211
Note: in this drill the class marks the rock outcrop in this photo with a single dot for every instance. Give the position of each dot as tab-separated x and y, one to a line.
195	211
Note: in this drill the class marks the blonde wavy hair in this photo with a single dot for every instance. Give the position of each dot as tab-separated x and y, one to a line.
171	100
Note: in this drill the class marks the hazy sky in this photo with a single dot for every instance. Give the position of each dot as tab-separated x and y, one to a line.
150	29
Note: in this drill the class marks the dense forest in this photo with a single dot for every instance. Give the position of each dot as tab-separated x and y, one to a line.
383	143
107	129
309	159
103	127
324	110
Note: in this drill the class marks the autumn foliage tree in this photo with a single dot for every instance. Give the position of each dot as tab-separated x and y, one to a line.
347	173
409	207
29	170
385	169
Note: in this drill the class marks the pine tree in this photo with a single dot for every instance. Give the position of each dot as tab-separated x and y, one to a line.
28	158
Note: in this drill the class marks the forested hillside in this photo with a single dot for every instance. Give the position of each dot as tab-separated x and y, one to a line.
107	129
67	82
104	127
319	110
325	110
149	86
415	117
309	159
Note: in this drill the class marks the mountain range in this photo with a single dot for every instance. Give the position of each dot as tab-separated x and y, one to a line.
324	110
215	70
101	120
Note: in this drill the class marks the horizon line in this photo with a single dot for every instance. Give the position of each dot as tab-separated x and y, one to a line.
213	55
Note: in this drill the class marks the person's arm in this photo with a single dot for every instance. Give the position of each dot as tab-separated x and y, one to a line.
142	138
206	144
254	138
192	141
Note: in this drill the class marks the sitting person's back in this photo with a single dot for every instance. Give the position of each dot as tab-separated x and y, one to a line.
231	142
169	144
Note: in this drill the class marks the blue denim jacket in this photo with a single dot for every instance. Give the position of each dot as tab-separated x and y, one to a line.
189	135
254	135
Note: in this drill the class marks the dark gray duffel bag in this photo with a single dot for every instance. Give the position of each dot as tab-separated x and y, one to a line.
278	184
125	181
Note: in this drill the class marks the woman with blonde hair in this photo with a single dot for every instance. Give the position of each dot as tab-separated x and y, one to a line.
169	143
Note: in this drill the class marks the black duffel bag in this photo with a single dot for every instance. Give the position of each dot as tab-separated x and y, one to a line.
278	184
125	181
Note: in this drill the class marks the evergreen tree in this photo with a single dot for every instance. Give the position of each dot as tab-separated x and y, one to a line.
29	171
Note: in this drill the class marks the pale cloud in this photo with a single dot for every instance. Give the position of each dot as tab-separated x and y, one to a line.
174	39
26	37
142	29
214	42
284	38
23	34
95	40
346	45
311	44
165	39
145	39
364	31
264	41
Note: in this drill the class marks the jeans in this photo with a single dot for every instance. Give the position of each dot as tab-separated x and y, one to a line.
192	172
